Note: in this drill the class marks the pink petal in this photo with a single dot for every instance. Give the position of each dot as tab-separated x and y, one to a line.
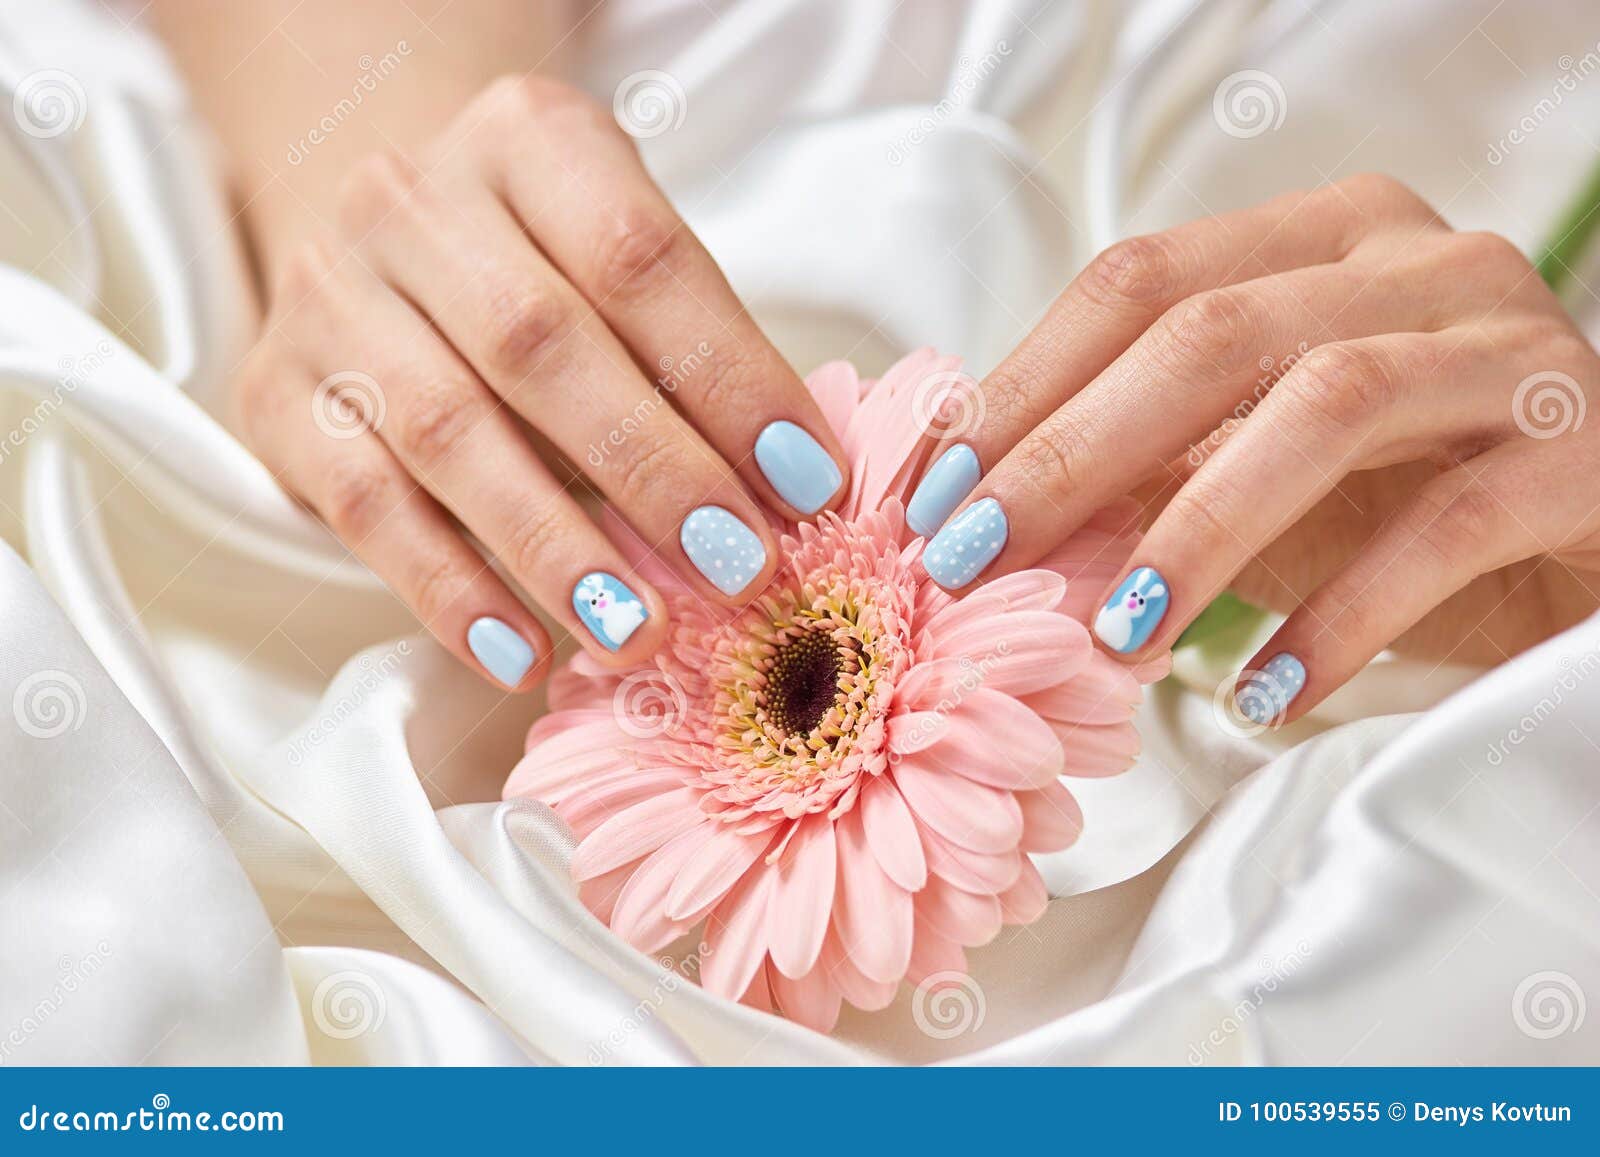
713	869
802	899
963	811
1096	751
591	803
859	989
640	916
1051	818
566	759
601	893
911	731
1153	670
968	870
837	390
933	687
873	914
736	936
995	739
1019	652
933	956
638	831
1025	901
811	1000
892	834
964	917
1023	590
1103	692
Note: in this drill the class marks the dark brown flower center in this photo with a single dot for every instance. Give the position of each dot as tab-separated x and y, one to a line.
802	683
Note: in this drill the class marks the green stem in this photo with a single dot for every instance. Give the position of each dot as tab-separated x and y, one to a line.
1565	246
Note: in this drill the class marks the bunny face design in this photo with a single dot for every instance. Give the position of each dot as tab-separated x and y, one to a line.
608	608
1134	612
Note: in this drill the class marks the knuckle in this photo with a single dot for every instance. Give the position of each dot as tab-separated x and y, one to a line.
1138	271
434	424
724	380
358	498
514	102
437	588
305	271
535	540
1054	458
1382	193
377	186
1485	250
1348	383
523	328
1450	512
1201	512
1210	328
651	463
642	246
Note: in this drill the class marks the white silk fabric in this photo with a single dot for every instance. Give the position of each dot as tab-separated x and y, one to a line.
249	815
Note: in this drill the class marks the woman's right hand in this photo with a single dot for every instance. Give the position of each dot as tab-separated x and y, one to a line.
523	271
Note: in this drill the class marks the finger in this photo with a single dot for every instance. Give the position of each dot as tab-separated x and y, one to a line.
1344	407
464	446
1201	364
1122	293
539	345
576	183
1454	529
364	495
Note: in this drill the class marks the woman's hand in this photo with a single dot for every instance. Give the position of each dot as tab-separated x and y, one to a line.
1238	372
523	272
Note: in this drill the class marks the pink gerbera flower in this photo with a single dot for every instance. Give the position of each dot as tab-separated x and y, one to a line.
843	780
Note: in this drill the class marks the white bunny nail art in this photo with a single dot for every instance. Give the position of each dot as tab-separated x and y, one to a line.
1134	612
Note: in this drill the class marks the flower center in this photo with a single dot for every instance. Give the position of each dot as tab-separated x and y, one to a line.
803	683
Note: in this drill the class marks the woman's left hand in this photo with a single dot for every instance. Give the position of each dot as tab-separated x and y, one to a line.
1334	404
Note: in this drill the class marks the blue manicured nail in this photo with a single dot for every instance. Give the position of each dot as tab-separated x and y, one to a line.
947	482
608	608
966	545
722	548
1266	694
1134	612
504	654
799	469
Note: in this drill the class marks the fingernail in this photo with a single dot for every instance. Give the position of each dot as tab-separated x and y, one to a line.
608	608
1134	612
799	469
722	548
1266	694
966	545
504	654
949	480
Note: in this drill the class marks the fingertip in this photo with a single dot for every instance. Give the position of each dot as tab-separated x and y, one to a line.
515	658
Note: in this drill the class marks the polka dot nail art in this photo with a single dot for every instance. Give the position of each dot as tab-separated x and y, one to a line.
968	543
722	548
1266	695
